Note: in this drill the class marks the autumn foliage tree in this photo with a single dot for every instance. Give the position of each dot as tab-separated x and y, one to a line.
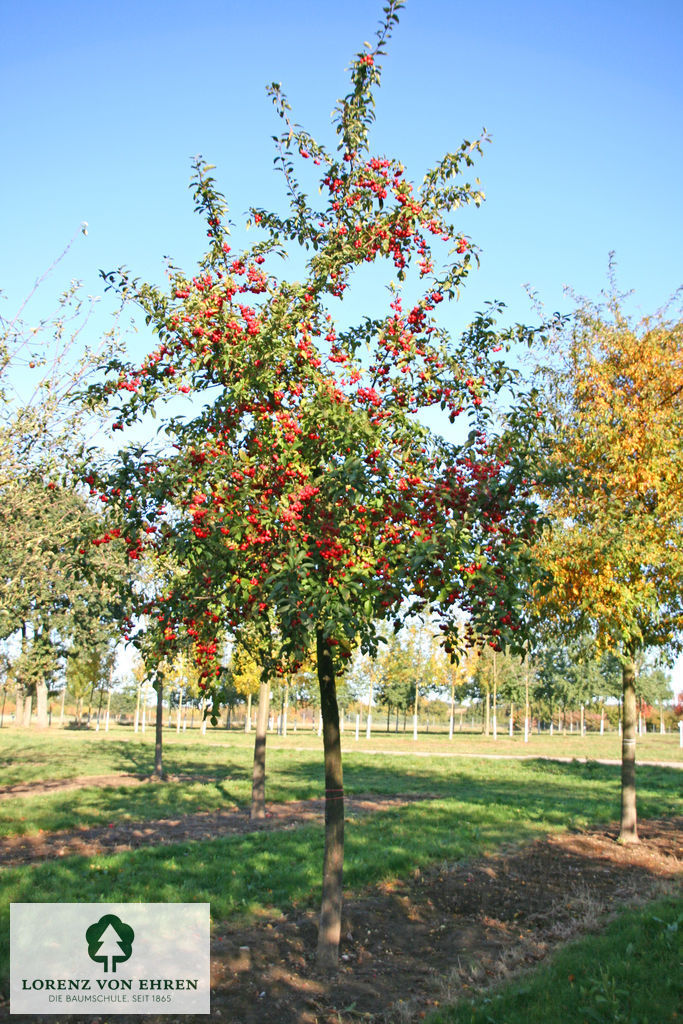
302	496
616	550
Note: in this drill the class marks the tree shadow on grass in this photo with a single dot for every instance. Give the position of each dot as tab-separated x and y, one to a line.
417	934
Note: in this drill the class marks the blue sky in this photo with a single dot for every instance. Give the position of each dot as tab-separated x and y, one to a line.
105	105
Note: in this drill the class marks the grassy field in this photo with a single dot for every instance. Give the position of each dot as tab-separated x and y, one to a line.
628	974
86	752
214	771
475	805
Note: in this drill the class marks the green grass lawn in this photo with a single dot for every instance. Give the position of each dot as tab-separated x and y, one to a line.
27	756
218	775
627	974
474	805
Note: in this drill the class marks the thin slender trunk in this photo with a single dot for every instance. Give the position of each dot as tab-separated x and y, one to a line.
99	709
258	783
628	832
137	708
495	697
452	721
21	697
158	734
247	720
329	933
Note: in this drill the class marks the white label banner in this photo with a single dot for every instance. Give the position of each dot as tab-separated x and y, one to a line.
110	958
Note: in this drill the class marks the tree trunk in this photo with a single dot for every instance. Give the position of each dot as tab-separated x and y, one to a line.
158	735
495	697
628	832
27	711
41	705
258	782
329	933
452	721
99	709
19	708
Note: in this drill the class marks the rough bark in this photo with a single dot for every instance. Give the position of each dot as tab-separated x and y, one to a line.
628	832
159	735
258	781
19	709
329	933
27	711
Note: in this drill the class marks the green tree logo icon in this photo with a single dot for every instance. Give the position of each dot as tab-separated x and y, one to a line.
110	941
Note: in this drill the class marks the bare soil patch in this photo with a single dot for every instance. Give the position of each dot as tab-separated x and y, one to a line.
457	928
42	786
118	836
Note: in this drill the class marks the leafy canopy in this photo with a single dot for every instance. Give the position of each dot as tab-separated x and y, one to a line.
301	492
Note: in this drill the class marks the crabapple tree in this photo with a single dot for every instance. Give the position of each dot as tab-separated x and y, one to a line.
302	495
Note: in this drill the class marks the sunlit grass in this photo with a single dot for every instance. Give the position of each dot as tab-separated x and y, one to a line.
220	777
469	805
27	756
628	974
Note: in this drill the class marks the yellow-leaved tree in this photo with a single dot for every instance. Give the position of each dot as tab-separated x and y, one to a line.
615	494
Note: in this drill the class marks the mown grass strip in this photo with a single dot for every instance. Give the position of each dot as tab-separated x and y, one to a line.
240	875
60	754
481	805
571	795
627	974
